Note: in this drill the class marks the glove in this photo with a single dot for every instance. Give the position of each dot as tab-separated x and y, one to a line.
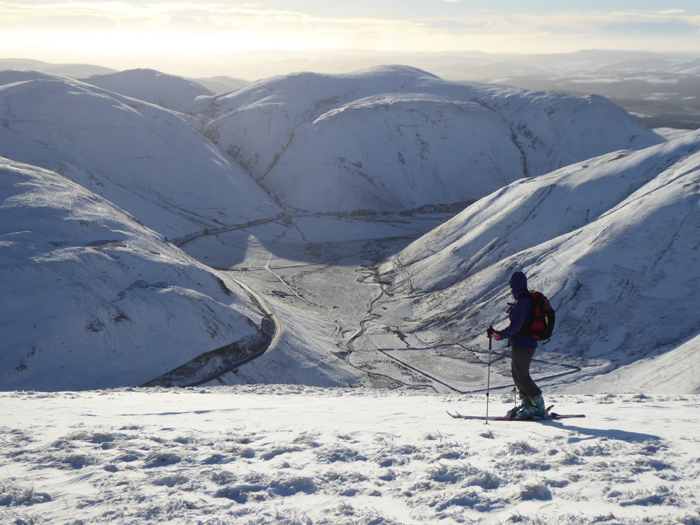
492	333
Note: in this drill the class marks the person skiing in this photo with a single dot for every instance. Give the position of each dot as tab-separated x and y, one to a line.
523	348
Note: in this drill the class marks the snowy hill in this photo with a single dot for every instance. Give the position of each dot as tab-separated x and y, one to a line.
397	138
154	167
12	76
221	84
149	161
168	91
92	299
68	70
612	242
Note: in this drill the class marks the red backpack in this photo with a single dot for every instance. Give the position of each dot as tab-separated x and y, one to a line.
542	318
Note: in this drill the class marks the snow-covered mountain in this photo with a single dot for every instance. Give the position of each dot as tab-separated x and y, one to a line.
154	167
149	161
613	242
76	70
168	91
397	138
13	76
221	84
92	299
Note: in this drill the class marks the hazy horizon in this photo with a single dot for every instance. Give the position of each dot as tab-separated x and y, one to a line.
127	32
260	63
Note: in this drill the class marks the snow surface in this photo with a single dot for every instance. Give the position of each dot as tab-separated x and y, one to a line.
291	455
92	184
613	242
68	70
151	162
92	299
221	84
672	133
396	138
168	91
197	257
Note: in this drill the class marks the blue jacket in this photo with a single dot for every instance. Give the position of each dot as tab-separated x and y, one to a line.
519	313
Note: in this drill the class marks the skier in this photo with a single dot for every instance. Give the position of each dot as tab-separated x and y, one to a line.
523	348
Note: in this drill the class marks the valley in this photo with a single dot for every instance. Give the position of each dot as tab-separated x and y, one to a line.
338	230
259	306
324	270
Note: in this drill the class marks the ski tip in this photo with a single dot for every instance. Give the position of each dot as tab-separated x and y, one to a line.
567	416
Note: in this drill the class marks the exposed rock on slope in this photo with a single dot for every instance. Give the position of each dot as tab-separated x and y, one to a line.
397	138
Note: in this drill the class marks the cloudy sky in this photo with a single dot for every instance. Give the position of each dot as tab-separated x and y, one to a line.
215	26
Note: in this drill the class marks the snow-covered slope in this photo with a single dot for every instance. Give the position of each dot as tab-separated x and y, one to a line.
155	167
12	76
168	91
613	242
298	456
149	161
68	70
92	299
221	84
397	138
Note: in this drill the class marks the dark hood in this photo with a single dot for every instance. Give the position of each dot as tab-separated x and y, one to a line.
518	284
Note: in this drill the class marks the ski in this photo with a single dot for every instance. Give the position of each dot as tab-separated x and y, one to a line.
550	416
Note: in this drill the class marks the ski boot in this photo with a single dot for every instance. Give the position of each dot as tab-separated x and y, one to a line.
534	409
516	411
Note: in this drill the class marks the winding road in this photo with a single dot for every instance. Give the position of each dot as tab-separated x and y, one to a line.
345	265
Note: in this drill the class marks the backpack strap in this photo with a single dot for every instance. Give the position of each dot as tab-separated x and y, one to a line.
527	324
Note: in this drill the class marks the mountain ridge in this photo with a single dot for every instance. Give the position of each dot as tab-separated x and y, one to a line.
306	139
327	149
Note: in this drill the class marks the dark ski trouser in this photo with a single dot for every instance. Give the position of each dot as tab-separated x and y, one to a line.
520	367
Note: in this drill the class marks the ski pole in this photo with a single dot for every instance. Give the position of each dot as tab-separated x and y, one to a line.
488	378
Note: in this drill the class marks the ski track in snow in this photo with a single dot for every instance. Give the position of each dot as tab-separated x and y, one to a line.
301	455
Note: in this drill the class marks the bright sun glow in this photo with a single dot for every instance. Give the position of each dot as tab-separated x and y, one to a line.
198	29
135	43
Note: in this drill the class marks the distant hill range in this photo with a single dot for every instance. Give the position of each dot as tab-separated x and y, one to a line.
395	138
66	70
98	181
167	91
659	88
